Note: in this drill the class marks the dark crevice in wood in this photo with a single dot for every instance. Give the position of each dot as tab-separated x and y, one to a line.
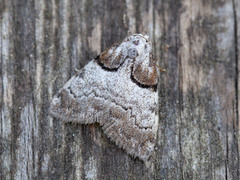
33	86
18	76
236	57
2	148
153	31
159	152
137	15
235	128
180	95
227	151
44	140
158	86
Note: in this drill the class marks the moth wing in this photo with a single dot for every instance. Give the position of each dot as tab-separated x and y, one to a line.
122	128
113	57
73	103
145	73
105	91
84	99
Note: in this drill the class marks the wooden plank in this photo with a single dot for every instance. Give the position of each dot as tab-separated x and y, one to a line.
6	90
41	44
199	104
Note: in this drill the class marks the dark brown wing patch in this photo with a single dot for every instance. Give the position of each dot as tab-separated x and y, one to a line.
109	59
145	73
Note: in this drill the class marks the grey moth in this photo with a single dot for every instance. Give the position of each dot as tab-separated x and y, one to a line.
118	90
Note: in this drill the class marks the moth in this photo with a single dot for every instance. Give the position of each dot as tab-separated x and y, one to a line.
118	90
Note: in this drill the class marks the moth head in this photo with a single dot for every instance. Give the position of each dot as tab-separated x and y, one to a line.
138	48
144	70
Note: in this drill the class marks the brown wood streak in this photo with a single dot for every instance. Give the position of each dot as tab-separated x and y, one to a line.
41	42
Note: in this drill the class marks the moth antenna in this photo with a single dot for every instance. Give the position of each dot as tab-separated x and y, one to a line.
129	32
76	70
160	68
154	64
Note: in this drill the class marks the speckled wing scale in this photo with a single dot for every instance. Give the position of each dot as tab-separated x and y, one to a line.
117	90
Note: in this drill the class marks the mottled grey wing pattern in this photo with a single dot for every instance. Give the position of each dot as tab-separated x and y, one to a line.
124	106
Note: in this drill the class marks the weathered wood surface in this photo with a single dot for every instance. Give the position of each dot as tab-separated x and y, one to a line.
42	42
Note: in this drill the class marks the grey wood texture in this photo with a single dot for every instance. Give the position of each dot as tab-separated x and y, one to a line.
42	42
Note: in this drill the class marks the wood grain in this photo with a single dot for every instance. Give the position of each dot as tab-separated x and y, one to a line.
197	42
